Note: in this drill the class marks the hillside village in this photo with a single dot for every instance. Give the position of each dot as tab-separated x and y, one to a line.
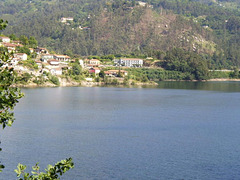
38	66
41	62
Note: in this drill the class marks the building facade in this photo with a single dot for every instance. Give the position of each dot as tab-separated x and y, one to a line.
129	62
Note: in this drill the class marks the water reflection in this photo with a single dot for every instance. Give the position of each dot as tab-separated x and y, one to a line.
210	86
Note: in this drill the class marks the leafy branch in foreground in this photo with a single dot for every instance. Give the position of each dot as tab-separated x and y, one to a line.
51	173
9	97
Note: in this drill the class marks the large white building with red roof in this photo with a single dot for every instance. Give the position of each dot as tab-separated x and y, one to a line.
61	57
21	56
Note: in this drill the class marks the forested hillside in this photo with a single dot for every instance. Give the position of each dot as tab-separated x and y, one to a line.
100	27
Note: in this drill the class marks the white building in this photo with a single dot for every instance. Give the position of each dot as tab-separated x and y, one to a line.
112	73
94	70
11	47
65	19
40	50
92	62
5	39
21	56
81	62
14	61
61	57
142	3
56	71
39	63
46	57
53	62
129	62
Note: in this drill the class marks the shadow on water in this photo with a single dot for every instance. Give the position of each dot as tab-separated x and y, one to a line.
228	86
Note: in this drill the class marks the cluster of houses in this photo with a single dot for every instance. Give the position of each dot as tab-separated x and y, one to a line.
55	63
12	47
45	61
94	66
52	63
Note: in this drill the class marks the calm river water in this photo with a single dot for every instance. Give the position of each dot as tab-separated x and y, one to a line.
180	130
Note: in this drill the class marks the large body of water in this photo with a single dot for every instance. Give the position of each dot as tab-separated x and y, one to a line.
181	130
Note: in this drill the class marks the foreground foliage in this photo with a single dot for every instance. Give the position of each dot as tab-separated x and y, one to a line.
9	97
51	173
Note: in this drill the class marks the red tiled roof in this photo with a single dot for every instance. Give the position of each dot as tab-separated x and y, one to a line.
9	45
94	60
53	60
58	55
4	37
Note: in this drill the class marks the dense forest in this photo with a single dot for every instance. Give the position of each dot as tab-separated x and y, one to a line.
208	27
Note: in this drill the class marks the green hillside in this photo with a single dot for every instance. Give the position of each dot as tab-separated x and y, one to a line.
101	27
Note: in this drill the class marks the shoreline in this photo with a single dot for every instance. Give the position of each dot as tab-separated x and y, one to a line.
96	84
222	79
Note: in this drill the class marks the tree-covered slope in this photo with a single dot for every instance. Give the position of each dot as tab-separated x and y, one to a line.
112	27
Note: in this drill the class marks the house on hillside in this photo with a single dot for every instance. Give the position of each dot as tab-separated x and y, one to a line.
11	47
94	70
129	62
115	73
46	57
144	4
40	50
14	61
81	62
16	42
39	63
5	39
53	62
21	56
92	62
65	19
31	50
61	57
56	71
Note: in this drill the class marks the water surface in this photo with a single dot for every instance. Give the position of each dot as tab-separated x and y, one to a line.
181	130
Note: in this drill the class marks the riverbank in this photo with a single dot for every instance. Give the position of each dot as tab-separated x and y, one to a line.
224	79
67	83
